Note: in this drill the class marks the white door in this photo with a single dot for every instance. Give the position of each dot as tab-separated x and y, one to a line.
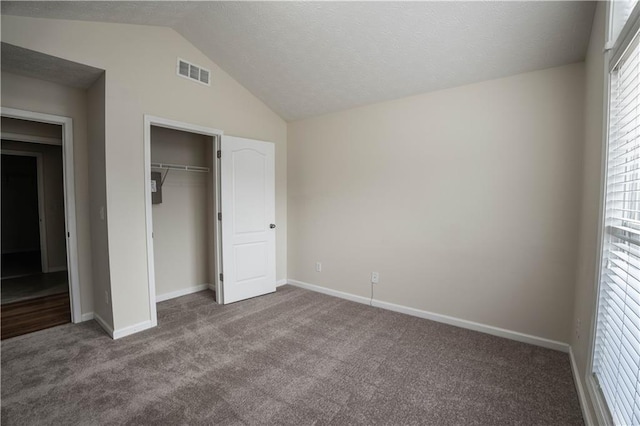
247	181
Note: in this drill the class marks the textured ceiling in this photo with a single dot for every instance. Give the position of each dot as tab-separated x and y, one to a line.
310	58
17	60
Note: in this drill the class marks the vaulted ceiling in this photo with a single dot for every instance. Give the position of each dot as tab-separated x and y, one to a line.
309	58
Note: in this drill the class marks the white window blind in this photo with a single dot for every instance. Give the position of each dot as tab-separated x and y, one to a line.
616	360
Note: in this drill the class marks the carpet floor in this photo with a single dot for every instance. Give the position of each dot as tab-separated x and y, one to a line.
291	357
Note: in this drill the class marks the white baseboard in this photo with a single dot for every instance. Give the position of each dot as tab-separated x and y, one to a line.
116	334
330	292
87	317
458	322
582	396
182	292
57	269
603	415
126	331
97	318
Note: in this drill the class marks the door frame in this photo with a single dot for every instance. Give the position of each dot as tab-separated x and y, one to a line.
44	258
69	197
151	120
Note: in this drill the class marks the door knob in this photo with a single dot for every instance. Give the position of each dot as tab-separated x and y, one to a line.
273	225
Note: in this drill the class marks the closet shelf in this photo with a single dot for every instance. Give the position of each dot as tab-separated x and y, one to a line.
165	166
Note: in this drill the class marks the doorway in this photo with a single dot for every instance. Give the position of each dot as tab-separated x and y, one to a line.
241	213
34	283
39	285
153	190
23	240
183	182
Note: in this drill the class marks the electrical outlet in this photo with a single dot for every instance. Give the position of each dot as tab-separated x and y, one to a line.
106	297
375	277
318	267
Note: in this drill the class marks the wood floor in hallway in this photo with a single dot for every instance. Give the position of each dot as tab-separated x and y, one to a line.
35	314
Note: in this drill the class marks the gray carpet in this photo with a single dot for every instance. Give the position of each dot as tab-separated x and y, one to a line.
292	357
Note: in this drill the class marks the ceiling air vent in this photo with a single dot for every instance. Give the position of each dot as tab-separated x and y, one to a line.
193	72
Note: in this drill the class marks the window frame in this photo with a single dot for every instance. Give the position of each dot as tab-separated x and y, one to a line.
614	51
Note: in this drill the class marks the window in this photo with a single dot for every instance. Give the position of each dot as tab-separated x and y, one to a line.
620	12
616	362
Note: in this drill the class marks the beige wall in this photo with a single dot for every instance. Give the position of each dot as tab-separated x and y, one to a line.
53	188
181	222
464	200
50	98
31	128
141	79
585	291
98	201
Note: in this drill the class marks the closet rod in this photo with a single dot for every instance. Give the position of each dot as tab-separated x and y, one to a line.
166	166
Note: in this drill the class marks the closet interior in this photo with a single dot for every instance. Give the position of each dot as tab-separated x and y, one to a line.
183	208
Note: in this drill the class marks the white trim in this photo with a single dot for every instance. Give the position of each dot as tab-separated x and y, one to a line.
97	318
150	120
21	137
149	221
626	37
58	269
330	292
216	178
471	325
582	397
87	317
281	282
458	322
182	292
42	217
599	404
69	197
132	329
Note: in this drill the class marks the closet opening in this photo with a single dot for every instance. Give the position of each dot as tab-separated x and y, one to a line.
183	188
210	213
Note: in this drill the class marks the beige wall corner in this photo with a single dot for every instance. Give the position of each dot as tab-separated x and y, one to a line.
464	200
98	203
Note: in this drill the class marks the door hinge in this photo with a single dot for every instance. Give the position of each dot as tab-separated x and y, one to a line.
68	234
221	277
219	154
219	216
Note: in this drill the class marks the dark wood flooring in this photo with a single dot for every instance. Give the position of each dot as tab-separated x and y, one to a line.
35	314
